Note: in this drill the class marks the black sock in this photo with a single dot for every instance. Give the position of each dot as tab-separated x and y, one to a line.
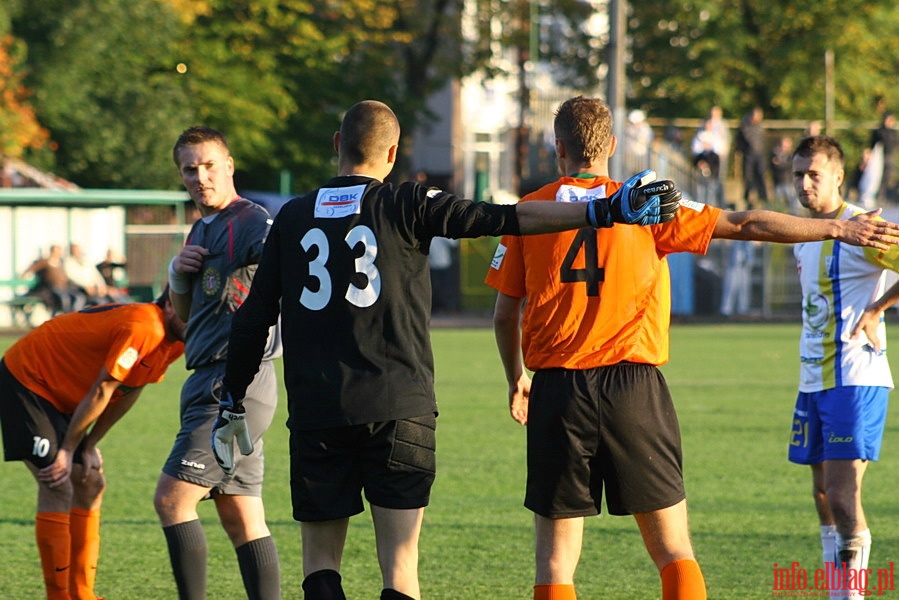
323	585
391	594
259	568
187	552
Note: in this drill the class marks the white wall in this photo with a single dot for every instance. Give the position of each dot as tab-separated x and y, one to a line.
27	232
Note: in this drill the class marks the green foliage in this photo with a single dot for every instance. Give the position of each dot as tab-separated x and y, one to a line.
734	387
115	81
241	62
106	86
689	56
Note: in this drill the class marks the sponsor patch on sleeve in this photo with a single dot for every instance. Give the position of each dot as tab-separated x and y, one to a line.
692	205
498	257
127	358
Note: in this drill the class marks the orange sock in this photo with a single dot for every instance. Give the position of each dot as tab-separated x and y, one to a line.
85	532
53	543
682	580
554	591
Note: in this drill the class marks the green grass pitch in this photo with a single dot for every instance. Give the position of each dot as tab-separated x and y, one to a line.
734	386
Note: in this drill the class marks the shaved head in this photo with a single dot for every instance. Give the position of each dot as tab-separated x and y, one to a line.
367	132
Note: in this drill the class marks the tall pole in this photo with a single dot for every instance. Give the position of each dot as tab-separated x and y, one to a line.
617	80
828	92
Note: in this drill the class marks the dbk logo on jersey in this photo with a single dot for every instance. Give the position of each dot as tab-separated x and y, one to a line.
334	203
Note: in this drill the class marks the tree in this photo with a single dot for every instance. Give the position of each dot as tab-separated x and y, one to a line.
689	56
115	81
106	86
19	126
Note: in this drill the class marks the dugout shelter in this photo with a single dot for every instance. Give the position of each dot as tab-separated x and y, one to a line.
145	226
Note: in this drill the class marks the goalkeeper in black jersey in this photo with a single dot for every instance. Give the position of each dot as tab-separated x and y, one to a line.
346	268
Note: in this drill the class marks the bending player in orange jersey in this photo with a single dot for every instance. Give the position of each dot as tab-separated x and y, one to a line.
65	384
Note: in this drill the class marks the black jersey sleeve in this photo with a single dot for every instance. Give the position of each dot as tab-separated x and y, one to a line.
444	214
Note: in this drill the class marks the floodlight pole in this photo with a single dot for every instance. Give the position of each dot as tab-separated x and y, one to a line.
617	79
828	92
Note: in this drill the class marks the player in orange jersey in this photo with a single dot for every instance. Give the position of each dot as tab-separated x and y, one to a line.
594	330
65	384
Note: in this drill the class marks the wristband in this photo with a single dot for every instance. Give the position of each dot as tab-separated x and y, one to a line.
178	282
604	218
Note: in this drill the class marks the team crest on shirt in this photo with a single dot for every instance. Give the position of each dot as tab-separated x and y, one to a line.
211	281
816	307
334	203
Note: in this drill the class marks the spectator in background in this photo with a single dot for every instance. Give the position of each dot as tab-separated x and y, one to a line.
887	137
751	143
860	181
782	174
736	293
707	160
721	139
638	137
444	275
113	270
52	286
87	283
812	129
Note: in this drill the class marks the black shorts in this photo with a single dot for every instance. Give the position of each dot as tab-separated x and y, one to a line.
612	427
393	462
33	428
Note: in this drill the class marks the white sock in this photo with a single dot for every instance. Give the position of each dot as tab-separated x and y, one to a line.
828	543
854	550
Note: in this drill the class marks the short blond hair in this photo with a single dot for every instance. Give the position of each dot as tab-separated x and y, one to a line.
584	126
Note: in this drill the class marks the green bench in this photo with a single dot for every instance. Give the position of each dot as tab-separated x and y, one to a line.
22	309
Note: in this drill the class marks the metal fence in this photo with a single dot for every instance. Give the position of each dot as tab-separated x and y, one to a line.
774	285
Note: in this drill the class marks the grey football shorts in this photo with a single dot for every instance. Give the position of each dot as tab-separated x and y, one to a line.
191	458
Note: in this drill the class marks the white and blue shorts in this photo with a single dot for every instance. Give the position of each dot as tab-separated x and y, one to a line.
843	423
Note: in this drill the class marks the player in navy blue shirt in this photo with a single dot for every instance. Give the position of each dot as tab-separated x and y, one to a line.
209	280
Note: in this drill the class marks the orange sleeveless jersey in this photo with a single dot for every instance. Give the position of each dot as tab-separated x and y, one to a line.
61	359
596	297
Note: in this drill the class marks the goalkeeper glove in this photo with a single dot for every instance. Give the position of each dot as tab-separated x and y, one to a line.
639	201
230	426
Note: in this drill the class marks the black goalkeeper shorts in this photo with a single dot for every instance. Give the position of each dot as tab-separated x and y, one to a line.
611	428
394	462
